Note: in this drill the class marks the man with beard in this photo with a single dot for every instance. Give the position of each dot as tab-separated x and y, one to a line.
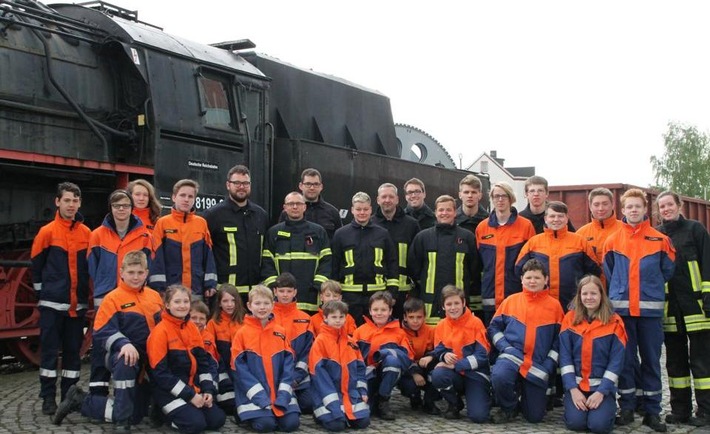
317	210
238	226
402	229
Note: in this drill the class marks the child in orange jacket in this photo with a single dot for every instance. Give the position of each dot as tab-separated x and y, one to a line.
331	290
182	375
263	368
199	312
386	350
297	324
462	350
421	338
338	385
227	318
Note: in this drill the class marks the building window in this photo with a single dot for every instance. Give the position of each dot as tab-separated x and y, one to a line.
214	102
484	166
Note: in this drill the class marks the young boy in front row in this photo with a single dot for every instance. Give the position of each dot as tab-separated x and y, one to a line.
386	350
421	339
297	324
262	368
525	329
331	290
199	312
338	385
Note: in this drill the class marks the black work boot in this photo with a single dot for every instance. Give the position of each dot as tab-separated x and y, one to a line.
653	421
676	419
49	405
625	417
72	402
122	426
383	408
452	411
415	402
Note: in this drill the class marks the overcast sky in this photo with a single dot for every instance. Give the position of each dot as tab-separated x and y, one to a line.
583	91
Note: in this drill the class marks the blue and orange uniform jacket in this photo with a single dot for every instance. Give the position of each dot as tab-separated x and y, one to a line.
390	338
180	366
223	332
297	324
597	231
210	344
498	250
637	263
421	341
338	382
464	336
567	257
317	323
107	249
60	271
592	354
264	365
126	316
525	330
143	214
183	253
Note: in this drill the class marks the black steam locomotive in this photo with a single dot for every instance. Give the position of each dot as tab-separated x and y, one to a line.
89	93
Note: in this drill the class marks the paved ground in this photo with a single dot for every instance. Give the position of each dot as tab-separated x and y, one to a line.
20	412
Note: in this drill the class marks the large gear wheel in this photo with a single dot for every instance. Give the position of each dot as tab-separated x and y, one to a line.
417	145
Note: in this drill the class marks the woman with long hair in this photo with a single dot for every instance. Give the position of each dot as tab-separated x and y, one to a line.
146	204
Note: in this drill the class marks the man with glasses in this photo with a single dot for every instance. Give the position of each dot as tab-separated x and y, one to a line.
301	248
536	192
415	193
317	210
238	226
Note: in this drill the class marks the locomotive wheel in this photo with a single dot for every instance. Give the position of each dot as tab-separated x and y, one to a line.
25	314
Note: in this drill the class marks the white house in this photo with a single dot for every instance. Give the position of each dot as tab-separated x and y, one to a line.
515	176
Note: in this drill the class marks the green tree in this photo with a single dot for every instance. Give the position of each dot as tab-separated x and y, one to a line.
684	166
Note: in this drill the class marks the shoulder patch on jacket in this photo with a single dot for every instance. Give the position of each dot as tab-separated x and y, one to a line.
170	231
127	305
487	237
281	335
305	321
653	238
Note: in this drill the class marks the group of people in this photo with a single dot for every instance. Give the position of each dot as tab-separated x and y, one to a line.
477	308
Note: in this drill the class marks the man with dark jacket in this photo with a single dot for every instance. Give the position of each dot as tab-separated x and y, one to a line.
238	226
415	193
402	229
317	210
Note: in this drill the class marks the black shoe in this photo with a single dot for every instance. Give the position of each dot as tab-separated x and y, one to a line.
431	408
49	406
155	419
503	416
452	412
122	427
698	420
384	410
415	402
72	402
625	417
676	419
654	422
640	410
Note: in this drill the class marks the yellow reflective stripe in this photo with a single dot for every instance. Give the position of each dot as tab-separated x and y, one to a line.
283	234
243	289
379	279
694	327
475	302
695	278
427	309
297	256
701	383
267	254
359	287
349	261
402	254
269	280
402	283
392	282
319	278
379	254
431	320
325	252
679	382
459	269
349	280
307	306
431	273
706	286
232	241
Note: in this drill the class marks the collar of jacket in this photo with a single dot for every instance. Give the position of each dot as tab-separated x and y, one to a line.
602	223
422	210
559	233
391	323
252	320
290	222
445	227
645	223
69	224
184	216
133	222
285	307
332	331
493	218
356	225
123	286
463	318
398	213
171	319
480	214
670	225
535	295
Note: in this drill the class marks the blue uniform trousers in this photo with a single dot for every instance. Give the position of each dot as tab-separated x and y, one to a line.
340	424
192	420
57	330
512	391
599	421
474	387
286	423
645	335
